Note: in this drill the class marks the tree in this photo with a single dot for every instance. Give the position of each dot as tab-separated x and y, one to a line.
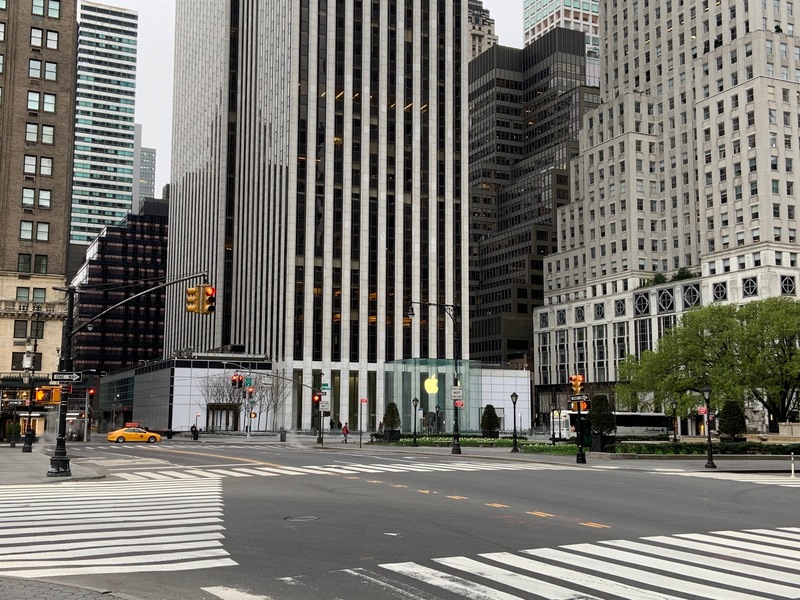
731	420
275	390
490	422
601	419
391	418
737	352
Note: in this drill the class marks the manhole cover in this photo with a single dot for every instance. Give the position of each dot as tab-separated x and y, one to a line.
302	518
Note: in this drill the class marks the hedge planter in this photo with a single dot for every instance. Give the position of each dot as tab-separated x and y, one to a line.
391	435
491	434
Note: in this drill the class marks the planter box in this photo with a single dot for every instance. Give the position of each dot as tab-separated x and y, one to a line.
491	434
391	435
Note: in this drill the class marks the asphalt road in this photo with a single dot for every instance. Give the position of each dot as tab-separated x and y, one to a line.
305	523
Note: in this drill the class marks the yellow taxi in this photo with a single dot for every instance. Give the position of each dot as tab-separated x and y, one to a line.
133	434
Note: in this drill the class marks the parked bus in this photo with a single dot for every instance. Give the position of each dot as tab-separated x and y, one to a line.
563	424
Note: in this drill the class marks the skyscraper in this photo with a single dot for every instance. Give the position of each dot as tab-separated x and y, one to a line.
37	98
144	171
684	193
541	16
481	28
319	172
102	192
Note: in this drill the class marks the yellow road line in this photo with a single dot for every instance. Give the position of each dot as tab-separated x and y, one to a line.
458	497
536	513
496	505
596	525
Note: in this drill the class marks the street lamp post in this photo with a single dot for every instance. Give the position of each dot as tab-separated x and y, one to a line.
674	422
553	419
415	402
514	397
450	310
707	396
437	419
27	445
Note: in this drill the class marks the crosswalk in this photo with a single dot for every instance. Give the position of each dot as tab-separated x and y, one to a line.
204	446
274	470
775	479
757	564
120	527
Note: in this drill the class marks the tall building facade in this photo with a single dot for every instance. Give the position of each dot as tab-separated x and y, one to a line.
684	193
526	109
102	186
144	171
319	178
37	99
123	260
541	16
481	28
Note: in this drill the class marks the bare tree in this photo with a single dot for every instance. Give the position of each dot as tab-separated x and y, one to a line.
277	389
217	391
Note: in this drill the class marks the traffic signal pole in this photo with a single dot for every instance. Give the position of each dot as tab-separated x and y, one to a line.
59	462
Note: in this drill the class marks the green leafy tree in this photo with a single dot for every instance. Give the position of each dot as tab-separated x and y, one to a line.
731	420
391	418
489	419
601	418
752	351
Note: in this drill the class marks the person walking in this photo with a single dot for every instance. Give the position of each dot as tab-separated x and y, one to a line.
345	431
193	429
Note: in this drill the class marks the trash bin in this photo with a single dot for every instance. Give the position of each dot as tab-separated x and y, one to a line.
283	434
169	433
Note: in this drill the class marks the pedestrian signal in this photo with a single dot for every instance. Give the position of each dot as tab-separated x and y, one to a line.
584	405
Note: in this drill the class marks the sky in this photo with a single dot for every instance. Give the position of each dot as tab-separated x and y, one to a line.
154	69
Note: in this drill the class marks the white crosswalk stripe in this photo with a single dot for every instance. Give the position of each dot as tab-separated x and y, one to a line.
339	469
723	565
778	479
122	528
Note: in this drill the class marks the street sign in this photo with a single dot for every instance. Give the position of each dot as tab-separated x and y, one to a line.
579	397
364	400
459	403
326	386
65	376
702	410
456	393
325	404
248	381
322	393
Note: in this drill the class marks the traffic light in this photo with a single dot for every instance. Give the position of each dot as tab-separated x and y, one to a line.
209	300
577	383
237	380
250	391
253	415
315	398
90	394
42	395
584	405
192	300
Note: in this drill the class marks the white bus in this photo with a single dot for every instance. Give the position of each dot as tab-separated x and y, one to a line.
563	424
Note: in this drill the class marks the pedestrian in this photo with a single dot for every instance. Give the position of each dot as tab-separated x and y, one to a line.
193	429
345	431
339	425
333	423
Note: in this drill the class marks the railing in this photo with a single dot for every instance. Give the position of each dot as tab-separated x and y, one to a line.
19	308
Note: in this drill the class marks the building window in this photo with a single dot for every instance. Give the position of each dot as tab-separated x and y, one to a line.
31	132
666	301
749	287
561	317
619	308
52	40
34	68
26	230
580	314
20	329
691	295
50	71
46	166
40	264
30	165
23	263
543	320
42	232
38	7
37	35
788	285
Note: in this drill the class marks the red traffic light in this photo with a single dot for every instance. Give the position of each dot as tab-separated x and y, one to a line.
315	398
209	300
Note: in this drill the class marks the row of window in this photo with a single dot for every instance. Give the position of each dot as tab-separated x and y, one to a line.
49	8
26	231
32	263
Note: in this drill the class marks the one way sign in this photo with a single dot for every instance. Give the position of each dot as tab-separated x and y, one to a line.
66	376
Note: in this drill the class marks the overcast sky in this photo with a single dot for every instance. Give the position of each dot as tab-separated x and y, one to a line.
156	56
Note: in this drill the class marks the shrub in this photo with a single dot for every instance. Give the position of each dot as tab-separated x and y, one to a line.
601	419
391	418
731	420
489	420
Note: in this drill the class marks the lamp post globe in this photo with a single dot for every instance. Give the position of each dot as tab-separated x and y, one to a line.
514	398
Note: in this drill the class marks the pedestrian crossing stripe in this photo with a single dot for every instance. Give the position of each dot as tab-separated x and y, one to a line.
756	564
124	528
339	469
758	478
